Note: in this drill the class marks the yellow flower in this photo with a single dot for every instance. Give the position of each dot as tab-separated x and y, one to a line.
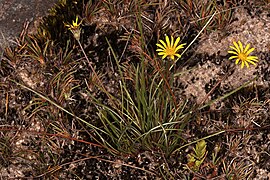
74	25
242	54
75	28
170	49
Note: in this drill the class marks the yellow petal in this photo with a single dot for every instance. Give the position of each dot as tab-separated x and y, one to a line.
240	46
160	50
233	52
168	41
172	57
253	58
161	53
159	45
163	43
246	48
176	42
251	62
179	47
236	47
247	64
249	51
165	55
172	41
237	60
242	64
233	57
178	55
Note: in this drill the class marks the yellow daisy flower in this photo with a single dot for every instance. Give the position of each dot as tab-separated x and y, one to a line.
169	48
74	25
75	28
242	54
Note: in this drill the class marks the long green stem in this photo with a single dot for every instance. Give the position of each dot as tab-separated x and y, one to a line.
97	130
193	142
194	39
89	63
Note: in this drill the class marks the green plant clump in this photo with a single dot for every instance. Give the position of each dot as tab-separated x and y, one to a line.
144	111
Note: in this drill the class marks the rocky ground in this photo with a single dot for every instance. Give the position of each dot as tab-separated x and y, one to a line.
15	14
39	140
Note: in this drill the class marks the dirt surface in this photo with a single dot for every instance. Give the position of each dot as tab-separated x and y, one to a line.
14	13
215	45
40	140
